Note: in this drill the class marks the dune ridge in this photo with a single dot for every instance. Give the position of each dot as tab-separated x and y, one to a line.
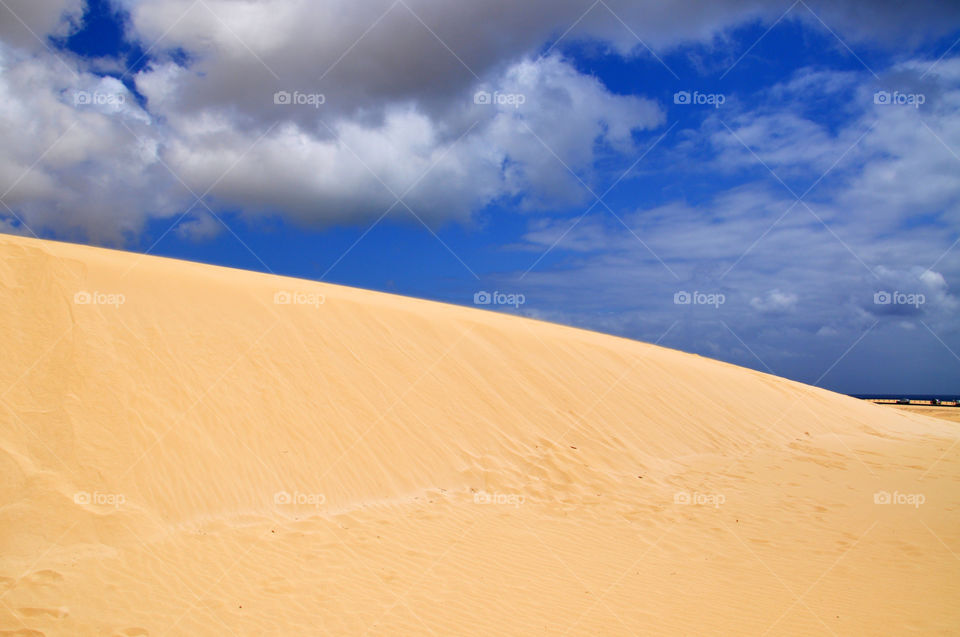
188	449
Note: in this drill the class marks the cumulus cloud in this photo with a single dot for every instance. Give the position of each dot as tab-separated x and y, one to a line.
347	169
80	157
213	128
397	80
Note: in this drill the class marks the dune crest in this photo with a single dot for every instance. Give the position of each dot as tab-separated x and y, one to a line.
189	449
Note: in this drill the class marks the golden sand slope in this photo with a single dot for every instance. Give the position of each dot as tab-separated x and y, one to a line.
182	455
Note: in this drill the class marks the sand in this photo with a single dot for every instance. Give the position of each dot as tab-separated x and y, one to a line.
181	454
946	413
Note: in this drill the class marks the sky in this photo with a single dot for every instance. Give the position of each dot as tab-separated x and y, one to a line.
772	184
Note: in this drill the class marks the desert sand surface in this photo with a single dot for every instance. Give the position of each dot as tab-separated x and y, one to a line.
181	454
945	413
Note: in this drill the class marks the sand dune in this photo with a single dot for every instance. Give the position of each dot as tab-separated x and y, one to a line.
192	450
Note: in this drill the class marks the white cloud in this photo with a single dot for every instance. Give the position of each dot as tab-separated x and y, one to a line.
342	171
397	99
79	156
774	301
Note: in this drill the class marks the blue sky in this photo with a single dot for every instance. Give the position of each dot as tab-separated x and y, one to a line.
802	219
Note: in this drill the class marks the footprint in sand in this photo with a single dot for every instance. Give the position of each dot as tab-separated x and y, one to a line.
58	613
45	577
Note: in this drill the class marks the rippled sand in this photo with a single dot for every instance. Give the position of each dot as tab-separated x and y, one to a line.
192	450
